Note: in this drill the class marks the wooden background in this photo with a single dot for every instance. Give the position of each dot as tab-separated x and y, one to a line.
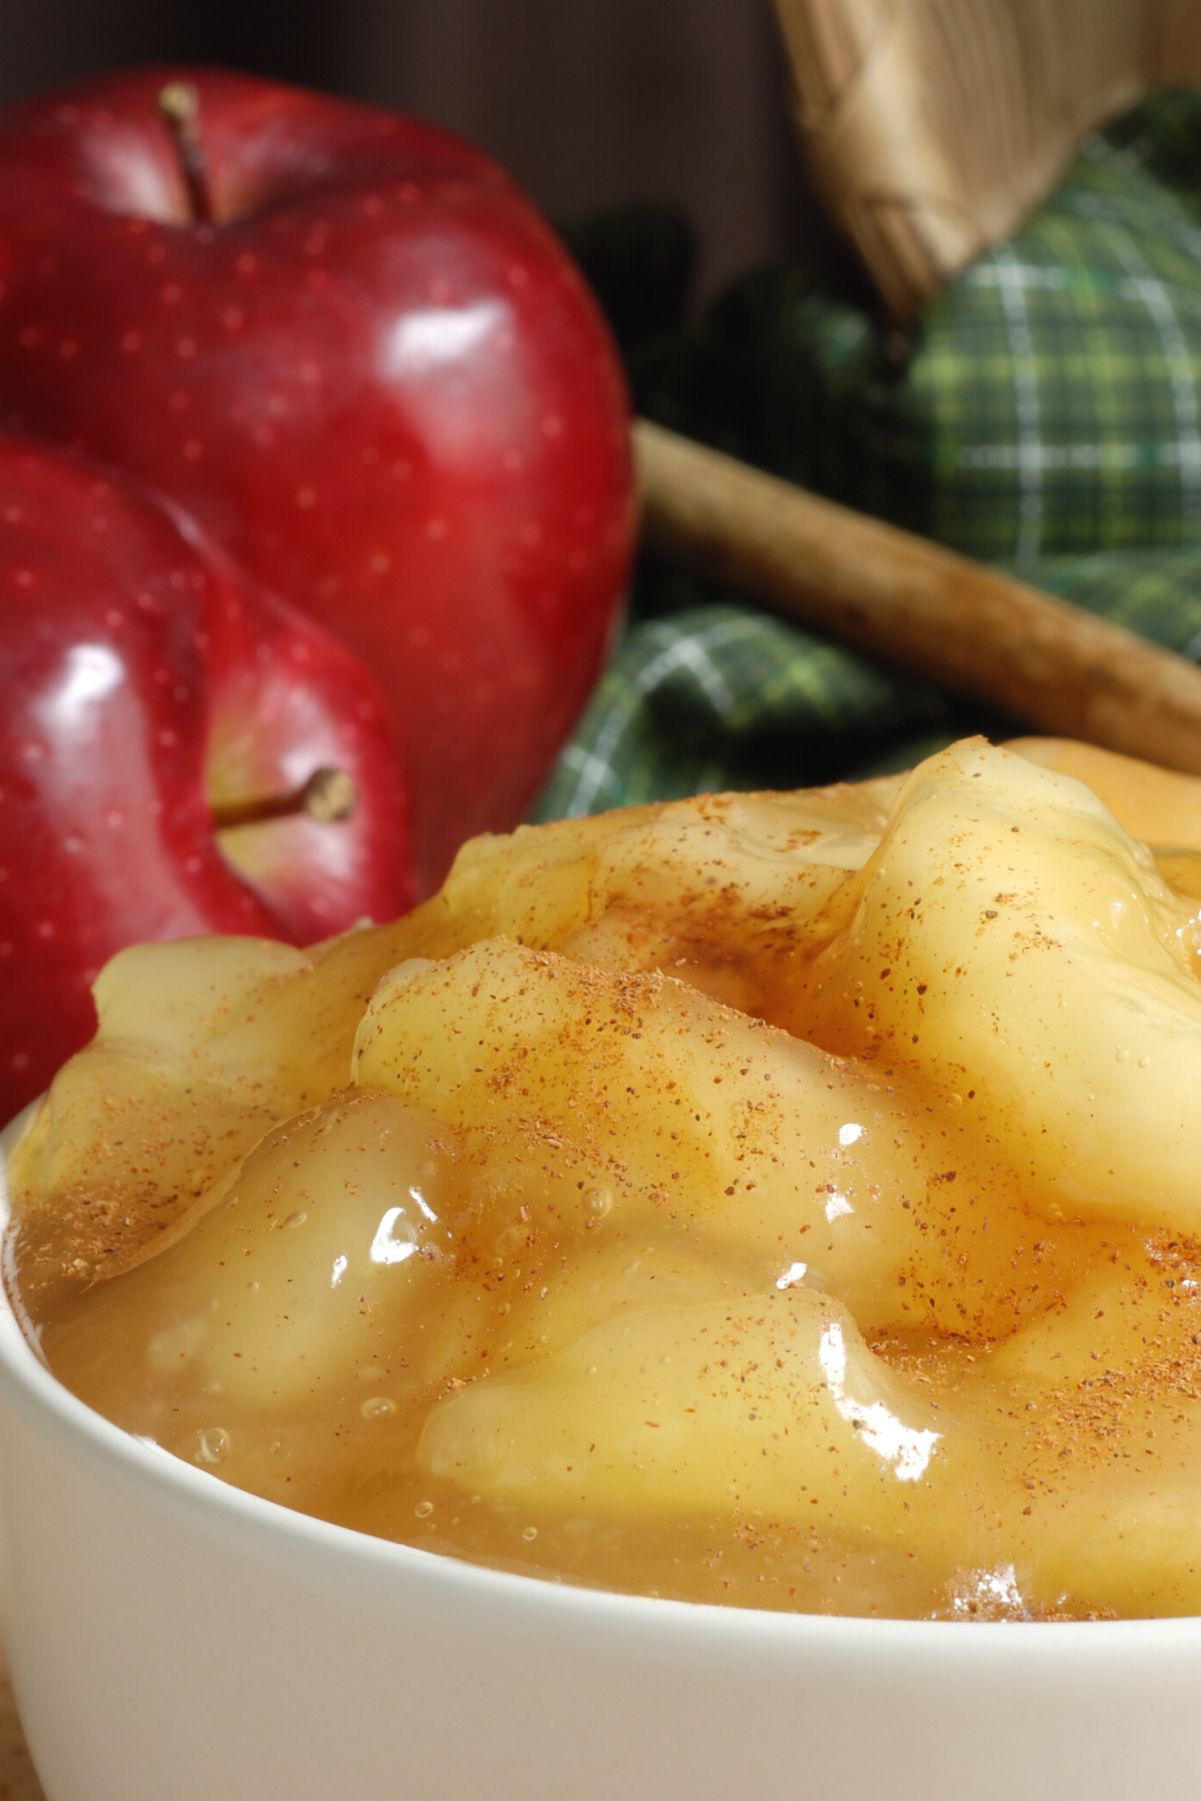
17	1780
586	102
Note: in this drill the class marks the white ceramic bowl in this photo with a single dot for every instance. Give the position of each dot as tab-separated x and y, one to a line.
172	1639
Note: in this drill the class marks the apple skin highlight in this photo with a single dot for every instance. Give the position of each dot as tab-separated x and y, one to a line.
147	681
375	377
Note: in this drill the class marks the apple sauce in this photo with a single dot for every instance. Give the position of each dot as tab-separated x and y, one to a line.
789	1201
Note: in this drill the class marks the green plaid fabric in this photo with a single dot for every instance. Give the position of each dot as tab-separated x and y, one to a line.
719	696
1049	402
1046	415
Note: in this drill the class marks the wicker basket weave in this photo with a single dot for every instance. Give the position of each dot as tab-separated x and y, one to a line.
931	127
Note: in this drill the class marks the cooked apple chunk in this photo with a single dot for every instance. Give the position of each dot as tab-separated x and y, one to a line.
201	1048
700	1408
692	1114
1008	937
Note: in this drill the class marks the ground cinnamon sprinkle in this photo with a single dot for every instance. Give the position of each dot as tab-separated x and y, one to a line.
702	1240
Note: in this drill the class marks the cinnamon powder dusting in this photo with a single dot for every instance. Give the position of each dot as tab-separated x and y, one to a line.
783	1201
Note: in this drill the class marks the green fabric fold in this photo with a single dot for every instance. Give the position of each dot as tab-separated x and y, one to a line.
1045	417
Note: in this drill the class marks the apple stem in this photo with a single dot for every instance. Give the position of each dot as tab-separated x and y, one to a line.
179	109
327	796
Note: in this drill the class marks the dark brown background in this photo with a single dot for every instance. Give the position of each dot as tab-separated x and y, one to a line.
586	102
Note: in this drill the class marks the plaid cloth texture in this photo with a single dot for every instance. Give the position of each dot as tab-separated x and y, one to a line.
1046	416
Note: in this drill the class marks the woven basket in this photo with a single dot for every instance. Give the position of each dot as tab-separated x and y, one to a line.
931	127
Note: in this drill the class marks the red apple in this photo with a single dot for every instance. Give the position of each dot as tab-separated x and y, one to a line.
374	376
146	683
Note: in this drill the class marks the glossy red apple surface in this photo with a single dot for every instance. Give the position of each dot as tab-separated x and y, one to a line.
374	376
146	683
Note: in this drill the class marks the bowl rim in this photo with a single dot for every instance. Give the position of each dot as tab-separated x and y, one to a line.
289	1540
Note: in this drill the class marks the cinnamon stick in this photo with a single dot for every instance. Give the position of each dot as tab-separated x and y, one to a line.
911	602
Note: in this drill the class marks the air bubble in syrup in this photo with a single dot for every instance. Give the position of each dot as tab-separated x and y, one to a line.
599	1202
378	1407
